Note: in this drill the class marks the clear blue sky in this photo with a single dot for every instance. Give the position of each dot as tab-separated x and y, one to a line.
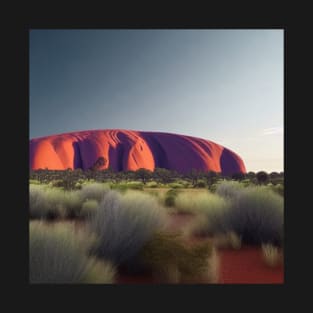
222	85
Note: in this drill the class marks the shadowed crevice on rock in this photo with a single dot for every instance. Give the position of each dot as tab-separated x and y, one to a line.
77	157
116	157
230	163
159	154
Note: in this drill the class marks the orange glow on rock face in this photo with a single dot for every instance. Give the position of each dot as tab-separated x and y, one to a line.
130	150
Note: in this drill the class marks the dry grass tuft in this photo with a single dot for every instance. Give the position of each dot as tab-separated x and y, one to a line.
271	255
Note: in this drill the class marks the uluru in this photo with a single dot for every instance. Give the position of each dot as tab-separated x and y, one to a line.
124	150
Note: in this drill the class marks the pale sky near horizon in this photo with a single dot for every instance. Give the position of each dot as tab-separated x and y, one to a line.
226	86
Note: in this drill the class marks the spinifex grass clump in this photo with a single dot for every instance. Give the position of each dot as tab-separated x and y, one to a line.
135	185
172	261
72	204
279	188
257	215
175	185
37	201
152	184
46	202
170	196
271	255
49	203
228	189
93	191
58	254
125	223
205	204
89	208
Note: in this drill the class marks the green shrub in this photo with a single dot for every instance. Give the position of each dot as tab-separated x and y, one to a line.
175	185
170	196
184	183
172	261
135	185
124	224
57	183
34	182
169	200
119	187
152	184
279	188
212	187
78	186
172	192
246	182
200	184
57	254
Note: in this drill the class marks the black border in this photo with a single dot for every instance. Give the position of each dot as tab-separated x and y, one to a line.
16	252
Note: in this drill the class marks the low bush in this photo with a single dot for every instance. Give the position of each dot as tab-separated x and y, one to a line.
124	224
185	183
170	196
172	261
169	200
152	184
122	188
200	184
173	192
175	185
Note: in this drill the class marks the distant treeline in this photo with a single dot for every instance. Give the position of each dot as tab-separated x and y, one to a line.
160	175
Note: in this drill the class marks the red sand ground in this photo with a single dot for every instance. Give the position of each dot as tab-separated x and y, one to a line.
243	266
246	266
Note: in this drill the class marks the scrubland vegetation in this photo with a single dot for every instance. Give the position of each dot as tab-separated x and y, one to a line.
59	254
85	227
